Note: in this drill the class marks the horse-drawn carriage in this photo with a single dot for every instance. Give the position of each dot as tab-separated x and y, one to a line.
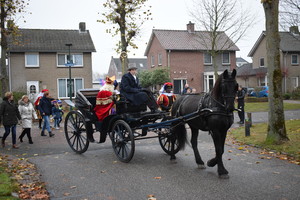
130	123
211	112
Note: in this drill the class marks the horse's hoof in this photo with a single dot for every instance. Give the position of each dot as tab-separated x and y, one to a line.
224	176
211	163
201	166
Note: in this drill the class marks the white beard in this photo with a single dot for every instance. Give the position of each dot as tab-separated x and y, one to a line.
107	87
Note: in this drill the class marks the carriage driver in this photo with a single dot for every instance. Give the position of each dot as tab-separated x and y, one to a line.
166	97
132	91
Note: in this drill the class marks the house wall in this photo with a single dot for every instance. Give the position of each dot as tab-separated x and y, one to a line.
47	73
285	62
188	66
259	53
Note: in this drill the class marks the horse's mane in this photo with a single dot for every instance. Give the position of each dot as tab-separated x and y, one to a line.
217	87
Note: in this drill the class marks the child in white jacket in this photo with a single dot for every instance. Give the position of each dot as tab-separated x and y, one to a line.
26	110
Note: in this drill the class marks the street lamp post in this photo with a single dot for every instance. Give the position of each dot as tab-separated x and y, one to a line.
70	64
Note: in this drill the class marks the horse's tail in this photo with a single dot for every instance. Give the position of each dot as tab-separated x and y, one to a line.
179	131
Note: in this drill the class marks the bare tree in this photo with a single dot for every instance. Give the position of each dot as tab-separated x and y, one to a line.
218	17
129	16
276	125
289	13
9	9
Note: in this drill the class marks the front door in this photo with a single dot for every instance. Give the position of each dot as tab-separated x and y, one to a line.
32	89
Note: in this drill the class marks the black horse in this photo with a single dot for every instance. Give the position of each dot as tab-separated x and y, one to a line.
215	114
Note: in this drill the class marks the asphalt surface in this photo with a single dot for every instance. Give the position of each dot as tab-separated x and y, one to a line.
97	174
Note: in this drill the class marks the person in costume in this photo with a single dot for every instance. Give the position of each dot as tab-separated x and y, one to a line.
36	106
166	97
104	101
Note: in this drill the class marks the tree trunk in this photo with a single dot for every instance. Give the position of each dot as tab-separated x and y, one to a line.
276	125
4	76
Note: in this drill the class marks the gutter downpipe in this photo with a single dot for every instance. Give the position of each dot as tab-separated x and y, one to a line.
169	52
9	71
285	68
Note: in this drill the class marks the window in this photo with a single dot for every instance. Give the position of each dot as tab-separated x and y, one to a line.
226	58
63	87
209	80
32	89
294	59
159	59
32	60
77	59
152	61
179	85
294	82
207	58
261	62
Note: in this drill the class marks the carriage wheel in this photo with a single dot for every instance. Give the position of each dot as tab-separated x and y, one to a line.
122	140
75	131
166	140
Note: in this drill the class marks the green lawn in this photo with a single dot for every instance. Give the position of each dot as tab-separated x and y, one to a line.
258	134
7	185
264	106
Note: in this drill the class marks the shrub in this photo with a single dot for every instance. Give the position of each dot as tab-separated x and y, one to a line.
287	96
256	99
296	94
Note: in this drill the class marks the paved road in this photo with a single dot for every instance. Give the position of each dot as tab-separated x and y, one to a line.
97	174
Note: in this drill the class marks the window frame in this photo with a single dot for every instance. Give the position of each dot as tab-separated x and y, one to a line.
204	60
292	59
152	60
66	59
159	59
262	59
226	63
67	88
38	60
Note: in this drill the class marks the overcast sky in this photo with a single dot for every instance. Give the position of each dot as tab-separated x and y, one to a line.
167	14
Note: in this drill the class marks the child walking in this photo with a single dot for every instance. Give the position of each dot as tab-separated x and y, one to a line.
57	114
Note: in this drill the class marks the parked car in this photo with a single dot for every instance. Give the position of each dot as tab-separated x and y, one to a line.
263	91
248	90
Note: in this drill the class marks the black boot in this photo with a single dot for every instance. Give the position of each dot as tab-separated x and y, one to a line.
30	140
89	132
43	133
21	139
51	134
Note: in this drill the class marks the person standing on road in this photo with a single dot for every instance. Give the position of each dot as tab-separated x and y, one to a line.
26	110
45	108
10	115
240	99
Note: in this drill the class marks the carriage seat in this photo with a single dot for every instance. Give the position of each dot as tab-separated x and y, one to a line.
123	105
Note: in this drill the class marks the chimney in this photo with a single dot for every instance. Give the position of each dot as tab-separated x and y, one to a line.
82	27
294	30
190	27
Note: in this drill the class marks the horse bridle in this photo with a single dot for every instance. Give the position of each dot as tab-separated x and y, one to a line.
223	95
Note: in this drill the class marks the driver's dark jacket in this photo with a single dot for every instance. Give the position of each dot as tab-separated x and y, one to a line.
132	91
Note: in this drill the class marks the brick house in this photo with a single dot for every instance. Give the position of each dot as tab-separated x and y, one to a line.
289	60
187	58
115	66
37	59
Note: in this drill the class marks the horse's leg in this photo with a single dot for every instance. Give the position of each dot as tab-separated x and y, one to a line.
173	157
194	142
219	141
